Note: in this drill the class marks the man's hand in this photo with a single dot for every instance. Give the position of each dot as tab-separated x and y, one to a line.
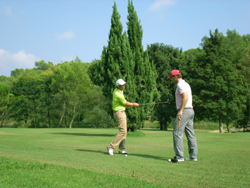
136	104
179	115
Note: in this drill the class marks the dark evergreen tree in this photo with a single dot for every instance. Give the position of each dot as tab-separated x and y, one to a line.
165	59
119	61
128	73
222	88
26	90
244	64
111	65
145	72
4	101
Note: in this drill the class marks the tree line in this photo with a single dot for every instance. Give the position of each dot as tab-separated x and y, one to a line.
53	96
77	94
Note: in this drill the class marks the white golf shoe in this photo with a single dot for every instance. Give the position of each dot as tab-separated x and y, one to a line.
122	151
110	151
190	159
175	160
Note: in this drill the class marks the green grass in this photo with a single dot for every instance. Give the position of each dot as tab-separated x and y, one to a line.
78	158
151	125
204	125
208	125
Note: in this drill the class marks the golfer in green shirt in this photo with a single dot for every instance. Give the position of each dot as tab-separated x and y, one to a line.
118	105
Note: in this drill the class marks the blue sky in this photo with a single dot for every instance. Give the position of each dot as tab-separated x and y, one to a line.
60	30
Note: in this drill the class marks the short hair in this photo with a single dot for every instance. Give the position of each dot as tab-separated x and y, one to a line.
179	76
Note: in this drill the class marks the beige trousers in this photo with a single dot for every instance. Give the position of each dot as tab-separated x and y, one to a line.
121	119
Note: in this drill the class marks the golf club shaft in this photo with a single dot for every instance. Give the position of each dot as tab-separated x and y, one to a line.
153	103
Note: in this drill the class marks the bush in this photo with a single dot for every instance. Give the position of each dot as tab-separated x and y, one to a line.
98	118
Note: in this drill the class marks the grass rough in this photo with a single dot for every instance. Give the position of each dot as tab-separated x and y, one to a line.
79	158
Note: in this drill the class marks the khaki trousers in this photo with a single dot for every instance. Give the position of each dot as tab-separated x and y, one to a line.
121	119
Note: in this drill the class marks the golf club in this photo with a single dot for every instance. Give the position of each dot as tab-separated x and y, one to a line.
154	103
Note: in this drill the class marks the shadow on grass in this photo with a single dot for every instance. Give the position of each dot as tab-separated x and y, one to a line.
84	134
132	154
150	129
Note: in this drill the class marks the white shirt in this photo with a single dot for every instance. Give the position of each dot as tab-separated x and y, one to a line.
183	87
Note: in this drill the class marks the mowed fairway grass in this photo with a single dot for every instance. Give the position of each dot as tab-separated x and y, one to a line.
79	158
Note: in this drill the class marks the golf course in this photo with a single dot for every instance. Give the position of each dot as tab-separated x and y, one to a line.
79	158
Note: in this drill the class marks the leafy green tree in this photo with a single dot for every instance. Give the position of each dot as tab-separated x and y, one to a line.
60	86
80	86
193	54
93	73
6	80
98	118
4	100
42	65
222	87
244	63
16	72
26	91
71	85
94	99
236	43
165	59
193	62
47	99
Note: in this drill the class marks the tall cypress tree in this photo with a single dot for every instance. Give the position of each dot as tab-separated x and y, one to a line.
128	73
144	71
124	58
108	70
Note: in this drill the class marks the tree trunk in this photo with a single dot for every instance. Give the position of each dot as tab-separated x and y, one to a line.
228	127
25	123
2	120
61	118
49	117
74	110
161	127
249	115
65	126
62	113
220	125
165	126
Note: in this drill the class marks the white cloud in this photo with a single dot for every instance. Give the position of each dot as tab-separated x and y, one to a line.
65	36
161	4
6	11
10	61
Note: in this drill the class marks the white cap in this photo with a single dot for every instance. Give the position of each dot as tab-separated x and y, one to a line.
120	82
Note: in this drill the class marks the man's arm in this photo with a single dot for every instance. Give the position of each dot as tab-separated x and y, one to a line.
183	104
131	104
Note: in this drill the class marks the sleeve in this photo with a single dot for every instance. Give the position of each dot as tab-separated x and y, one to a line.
121	99
181	87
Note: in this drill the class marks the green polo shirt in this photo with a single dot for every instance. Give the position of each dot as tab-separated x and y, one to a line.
118	103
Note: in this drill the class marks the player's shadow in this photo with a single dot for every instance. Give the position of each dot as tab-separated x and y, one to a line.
129	154
84	134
